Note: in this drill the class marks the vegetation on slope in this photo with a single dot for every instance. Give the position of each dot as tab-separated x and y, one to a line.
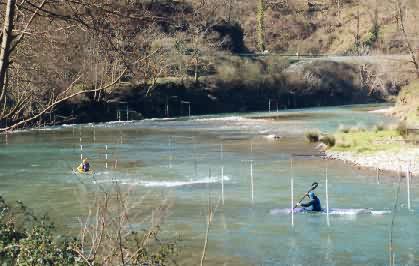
407	106
88	50
106	236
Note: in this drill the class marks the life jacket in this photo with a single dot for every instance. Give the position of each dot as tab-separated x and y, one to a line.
313	204
86	167
316	204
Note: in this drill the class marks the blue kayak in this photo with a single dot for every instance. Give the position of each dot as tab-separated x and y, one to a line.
332	211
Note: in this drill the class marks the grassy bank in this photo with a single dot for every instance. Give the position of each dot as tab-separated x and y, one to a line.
364	142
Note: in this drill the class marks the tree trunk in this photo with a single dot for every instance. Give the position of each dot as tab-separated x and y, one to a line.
5	44
408	44
260	27
196	71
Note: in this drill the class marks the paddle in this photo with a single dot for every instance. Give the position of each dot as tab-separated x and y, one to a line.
313	187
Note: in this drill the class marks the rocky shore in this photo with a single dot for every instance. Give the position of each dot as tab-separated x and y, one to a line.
384	161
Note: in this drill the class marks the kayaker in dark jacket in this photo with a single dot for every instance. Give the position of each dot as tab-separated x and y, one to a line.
313	204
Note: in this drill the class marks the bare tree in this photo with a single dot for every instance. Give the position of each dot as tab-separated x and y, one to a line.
402	28
70	49
113	231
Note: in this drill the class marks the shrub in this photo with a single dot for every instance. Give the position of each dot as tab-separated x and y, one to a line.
343	129
328	140
379	127
312	136
402	129
26	239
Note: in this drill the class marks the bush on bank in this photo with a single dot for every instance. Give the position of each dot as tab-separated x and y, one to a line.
26	239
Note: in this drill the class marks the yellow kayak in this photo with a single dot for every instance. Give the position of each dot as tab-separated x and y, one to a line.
79	170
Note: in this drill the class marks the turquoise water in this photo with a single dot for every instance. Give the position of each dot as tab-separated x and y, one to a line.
172	159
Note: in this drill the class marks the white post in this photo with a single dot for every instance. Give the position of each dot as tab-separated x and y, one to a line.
222	173
408	187
269	105
106	157
189	106
221	151
327	199
251	179
94	134
81	152
378	176
292	195
196	167
127	113
292	201
222	185
170	153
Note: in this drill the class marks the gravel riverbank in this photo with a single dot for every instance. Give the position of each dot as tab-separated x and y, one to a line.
387	161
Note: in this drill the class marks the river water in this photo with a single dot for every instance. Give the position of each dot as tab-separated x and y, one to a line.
180	161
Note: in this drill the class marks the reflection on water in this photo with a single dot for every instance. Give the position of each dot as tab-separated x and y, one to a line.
173	157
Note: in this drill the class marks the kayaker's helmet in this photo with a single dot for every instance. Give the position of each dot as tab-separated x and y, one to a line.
85	160
311	195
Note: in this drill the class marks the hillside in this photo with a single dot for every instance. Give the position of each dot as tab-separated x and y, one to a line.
67	59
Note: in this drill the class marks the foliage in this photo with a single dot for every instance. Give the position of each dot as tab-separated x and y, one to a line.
407	105
26	239
379	127
402	129
343	129
312	136
328	140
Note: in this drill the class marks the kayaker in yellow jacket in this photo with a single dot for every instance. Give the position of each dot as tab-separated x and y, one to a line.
84	166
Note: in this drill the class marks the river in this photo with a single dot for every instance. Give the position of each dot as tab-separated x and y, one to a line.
171	159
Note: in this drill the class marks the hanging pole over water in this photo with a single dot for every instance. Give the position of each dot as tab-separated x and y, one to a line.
408	187
106	156
94	134
222	172
222	185
195	158
292	194
170	152
251	179
327	198
127	113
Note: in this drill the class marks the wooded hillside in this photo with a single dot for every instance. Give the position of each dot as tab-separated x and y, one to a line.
56	52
